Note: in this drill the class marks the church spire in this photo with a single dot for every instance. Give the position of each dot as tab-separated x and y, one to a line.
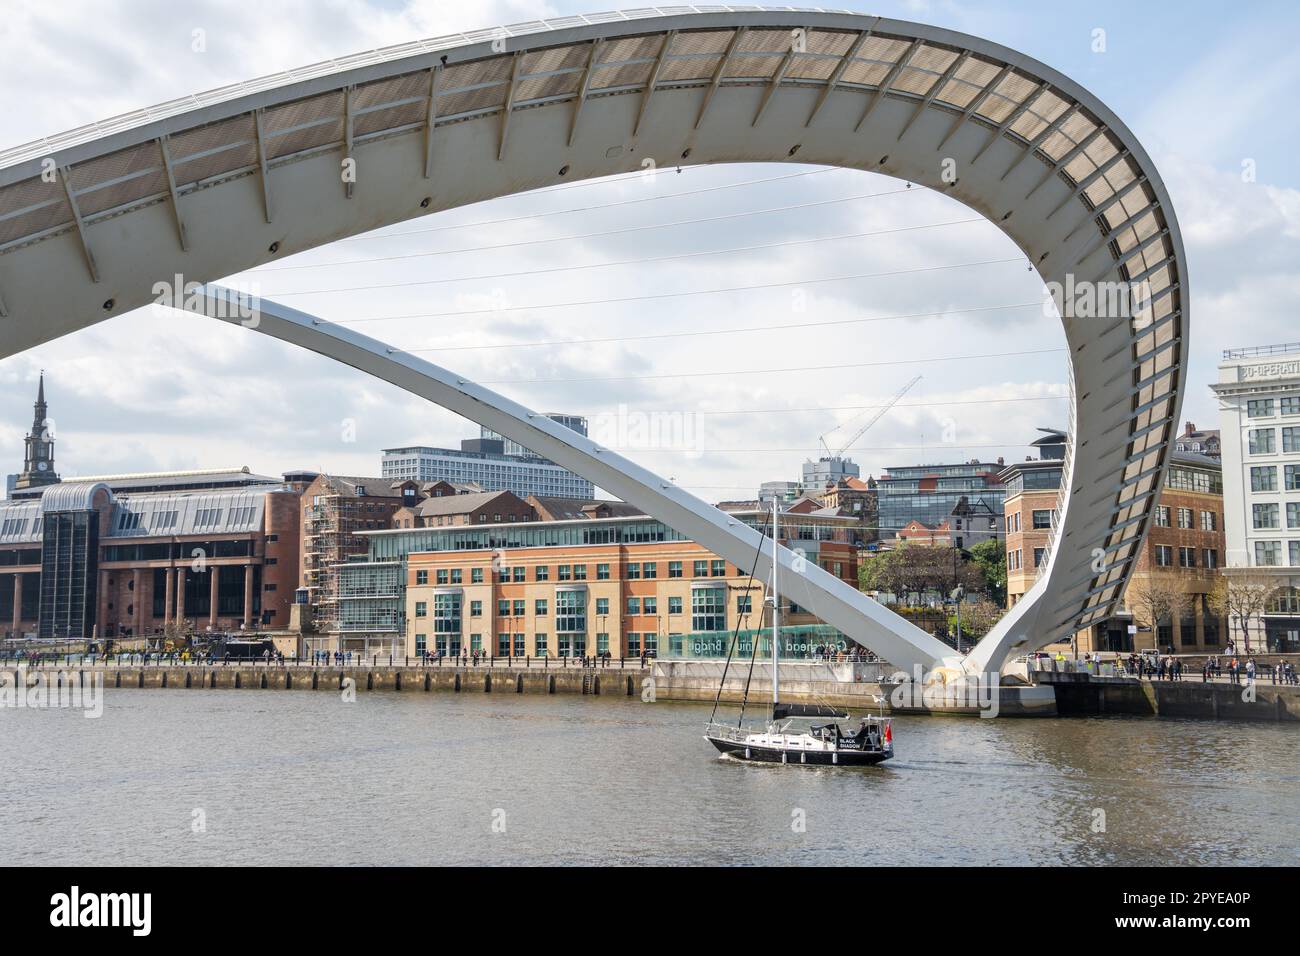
38	466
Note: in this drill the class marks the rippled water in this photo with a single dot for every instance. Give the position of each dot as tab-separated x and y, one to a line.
304	778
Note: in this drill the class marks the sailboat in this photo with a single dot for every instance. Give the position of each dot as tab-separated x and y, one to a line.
779	741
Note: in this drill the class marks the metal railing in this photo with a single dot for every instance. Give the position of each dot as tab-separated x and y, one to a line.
1255	351
353	659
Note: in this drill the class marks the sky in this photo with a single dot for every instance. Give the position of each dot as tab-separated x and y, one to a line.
764	373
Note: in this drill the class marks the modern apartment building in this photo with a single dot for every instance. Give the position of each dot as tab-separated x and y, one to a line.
1259	418
336	510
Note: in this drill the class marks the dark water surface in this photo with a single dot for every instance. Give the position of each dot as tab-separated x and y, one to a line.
305	778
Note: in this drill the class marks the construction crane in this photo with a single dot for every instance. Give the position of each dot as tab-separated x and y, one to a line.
880	413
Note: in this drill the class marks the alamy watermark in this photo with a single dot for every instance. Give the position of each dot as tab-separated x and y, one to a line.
975	691
53	690
632	429
243	304
1084	299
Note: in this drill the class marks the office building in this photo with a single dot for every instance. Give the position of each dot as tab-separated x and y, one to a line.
929	493
515	450
579	585
1259	418
1033	487
483	461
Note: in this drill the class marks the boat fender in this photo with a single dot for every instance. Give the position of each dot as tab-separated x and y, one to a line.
784	757
746	753
803	758
835	758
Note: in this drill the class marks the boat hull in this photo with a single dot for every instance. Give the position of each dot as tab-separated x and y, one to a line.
837	758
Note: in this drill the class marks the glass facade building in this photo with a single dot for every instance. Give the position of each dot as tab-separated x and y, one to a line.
928	493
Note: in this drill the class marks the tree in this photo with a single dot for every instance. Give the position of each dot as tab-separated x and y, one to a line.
1154	597
977	619
913	569
1241	596
991	559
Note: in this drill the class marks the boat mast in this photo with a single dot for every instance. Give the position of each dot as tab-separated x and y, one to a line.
776	603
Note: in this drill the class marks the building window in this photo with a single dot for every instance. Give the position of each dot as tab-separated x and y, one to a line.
1259	407
446	616
744	604
602	644
718	569
579	572
519	606
503	607
1039	555
1294	548
503	645
1187	557
674	569
421	577
708	609
1268	554
1185	518
539	607
1260	441
602	606
564	573
521	647
475	608
1164	556
1293	514
1210	558
421	643
539	645
633	644
674	605
651	644
651	570
634	571
701	569
519	574
1042	518
650	605
571	612
1265	515
1209	521
1291	405
475	575
443	577
1162	516
541	573
1291	440
634	605
421	608
602	572
1292	477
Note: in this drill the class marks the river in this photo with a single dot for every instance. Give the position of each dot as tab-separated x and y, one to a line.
257	777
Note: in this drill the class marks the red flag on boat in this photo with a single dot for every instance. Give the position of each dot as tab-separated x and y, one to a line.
889	734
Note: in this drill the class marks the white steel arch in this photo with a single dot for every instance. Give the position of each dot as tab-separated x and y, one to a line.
219	183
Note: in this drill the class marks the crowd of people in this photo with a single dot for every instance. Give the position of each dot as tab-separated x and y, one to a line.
1237	670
